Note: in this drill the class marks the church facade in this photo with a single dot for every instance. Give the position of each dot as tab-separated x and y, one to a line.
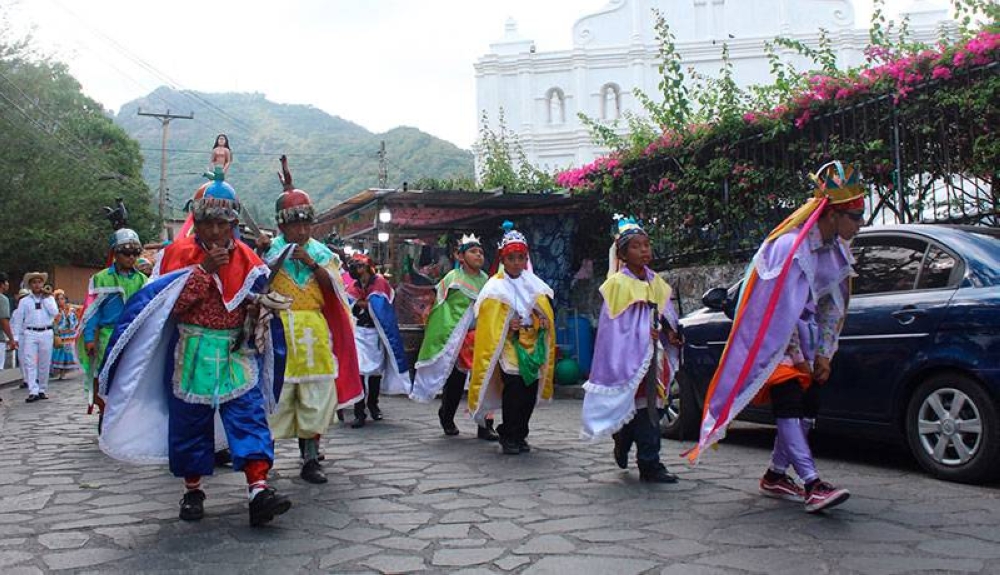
615	50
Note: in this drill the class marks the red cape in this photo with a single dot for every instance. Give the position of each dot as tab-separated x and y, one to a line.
236	277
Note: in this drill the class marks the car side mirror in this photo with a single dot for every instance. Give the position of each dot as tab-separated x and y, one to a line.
715	299
718	299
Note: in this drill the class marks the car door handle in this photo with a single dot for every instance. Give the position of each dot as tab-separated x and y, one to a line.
908	315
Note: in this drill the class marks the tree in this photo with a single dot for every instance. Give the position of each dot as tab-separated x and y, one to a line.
61	160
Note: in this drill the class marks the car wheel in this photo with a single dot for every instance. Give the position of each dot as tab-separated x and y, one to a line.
952	429
681	414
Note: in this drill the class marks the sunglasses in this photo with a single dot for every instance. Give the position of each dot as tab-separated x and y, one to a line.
856	216
129	252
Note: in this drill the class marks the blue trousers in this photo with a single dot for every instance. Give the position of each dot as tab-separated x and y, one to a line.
645	435
192	433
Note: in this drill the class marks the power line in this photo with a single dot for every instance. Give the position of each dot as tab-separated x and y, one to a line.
268	153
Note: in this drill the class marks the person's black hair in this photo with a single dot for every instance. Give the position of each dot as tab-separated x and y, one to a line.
4	277
216	142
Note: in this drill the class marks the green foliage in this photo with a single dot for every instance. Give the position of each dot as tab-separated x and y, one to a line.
61	160
330	158
710	187
502	162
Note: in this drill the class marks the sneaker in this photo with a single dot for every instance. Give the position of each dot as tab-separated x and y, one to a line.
31	398
267	505
193	505
312	472
782	487
41	395
824	496
621	455
656	473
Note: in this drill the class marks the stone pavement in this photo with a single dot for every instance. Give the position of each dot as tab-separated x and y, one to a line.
403	498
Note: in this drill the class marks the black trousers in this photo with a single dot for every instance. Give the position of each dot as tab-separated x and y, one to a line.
518	403
371	397
451	395
789	400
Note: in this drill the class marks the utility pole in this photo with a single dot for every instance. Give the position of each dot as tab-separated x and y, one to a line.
383	170
164	119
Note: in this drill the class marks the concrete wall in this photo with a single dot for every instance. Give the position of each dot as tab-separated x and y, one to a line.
691	283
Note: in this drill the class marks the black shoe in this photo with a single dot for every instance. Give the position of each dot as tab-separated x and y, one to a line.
448	425
376	413
509	446
312	472
621	455
523	446
31	398
223	458
41	395
193	505
358	422
656	474
267	505
23	385
486	433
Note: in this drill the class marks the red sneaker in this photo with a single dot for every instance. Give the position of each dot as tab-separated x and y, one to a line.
782	488
824	496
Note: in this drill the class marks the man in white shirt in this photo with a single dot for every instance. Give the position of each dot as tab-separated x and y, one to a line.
33	336
5	332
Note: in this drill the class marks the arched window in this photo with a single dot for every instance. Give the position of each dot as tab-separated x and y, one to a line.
556	100
611	102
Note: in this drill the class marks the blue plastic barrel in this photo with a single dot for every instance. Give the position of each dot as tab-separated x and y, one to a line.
581	335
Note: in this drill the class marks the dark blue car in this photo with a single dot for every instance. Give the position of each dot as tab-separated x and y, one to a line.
919	358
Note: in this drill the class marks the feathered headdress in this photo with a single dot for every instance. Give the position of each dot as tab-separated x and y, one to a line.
293	205
512	240
838	187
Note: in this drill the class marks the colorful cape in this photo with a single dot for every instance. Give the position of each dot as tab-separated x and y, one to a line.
624	350
337	313
445	332
784	273
138	367
396	380
494	310
103	285
234	280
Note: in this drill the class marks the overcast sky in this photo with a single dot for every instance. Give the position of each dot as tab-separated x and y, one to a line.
379	63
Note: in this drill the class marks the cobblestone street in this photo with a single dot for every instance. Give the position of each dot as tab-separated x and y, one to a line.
404	498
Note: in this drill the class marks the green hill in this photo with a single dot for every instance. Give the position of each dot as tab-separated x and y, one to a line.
330	157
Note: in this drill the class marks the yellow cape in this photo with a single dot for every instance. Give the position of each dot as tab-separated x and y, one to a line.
491	329
620	291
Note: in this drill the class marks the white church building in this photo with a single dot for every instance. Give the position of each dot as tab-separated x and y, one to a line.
615	51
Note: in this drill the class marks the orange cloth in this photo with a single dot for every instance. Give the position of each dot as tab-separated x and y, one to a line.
782	374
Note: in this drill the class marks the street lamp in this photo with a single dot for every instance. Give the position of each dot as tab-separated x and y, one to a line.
384	215
383	237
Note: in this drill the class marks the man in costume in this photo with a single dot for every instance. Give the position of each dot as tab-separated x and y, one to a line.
322	363
107	293
31	325
514	352
184	350
787	322
637	318
446	352
380	345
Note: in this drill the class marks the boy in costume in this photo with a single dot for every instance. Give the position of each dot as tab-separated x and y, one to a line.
514	352
376	333
184	349
107	293
446	351
31	325
788	319
631	373
321	370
